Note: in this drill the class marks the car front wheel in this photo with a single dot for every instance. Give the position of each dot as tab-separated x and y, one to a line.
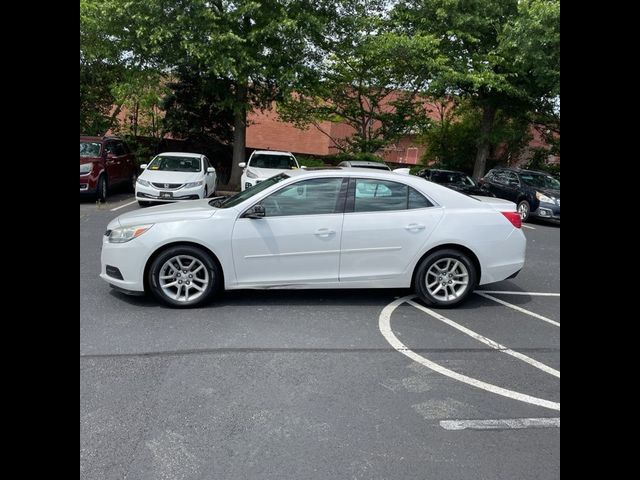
184	276
101	191
524	209
445	278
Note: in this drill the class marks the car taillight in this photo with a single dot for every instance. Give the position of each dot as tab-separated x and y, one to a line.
514	218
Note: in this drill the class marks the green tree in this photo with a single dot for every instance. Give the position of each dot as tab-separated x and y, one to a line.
503	55
98	72
197	107
451	140
369	78
257	46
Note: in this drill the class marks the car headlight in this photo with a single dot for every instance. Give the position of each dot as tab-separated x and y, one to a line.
250	174
124	234
85	168
543	198
144	183
193	184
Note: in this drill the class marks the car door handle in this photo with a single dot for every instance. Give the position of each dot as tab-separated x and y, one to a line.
324	232
414	226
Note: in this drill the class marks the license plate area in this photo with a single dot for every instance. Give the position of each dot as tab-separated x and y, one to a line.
166	194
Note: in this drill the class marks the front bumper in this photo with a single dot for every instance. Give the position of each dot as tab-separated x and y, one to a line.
125	260
549	211
88	183
151	194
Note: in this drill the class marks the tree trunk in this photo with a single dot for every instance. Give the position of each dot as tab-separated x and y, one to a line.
239	136
488	115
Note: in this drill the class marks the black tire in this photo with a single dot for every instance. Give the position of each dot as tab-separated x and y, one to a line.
439	256
524	209
143	204
132	182
102	188
212	269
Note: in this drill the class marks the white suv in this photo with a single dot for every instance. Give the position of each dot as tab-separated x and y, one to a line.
263	164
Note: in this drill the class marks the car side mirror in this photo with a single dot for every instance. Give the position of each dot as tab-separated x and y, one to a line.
242	164
143	166
257	211
211	170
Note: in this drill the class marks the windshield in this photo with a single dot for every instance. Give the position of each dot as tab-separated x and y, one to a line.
452	178
240	197
175	164
89	149
282	162
538	180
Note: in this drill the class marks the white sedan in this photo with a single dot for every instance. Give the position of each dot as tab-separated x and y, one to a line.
175	176
263	164
332	228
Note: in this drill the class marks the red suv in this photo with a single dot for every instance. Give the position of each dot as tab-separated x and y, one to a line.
105	162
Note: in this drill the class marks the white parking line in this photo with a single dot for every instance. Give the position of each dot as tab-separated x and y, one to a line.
533	294
487	341
528	226
519	309
500	423
122	206
384	324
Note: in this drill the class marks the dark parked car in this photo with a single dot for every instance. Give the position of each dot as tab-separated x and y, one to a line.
455	180
105	162
364	164
537	194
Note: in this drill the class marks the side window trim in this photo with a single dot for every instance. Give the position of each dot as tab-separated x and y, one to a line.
338	209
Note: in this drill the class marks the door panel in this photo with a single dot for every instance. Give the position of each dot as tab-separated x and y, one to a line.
298	241
387	227
382	244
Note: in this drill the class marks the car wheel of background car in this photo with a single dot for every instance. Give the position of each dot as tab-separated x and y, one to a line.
184	276
445	278
101	191
132	184
524	209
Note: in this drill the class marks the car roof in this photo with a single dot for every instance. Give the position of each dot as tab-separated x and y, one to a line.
272	152
362	163
95	138
180	154
445	171
519	170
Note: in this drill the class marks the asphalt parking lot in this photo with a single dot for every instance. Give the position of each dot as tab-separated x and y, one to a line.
320	384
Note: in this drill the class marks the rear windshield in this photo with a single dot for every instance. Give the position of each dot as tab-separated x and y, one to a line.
282	162
89	149
451	178
540	181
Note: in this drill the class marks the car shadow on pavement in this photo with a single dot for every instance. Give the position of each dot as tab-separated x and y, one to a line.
257	298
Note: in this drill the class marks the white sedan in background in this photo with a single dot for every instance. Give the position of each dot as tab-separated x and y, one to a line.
339	228
263	164
175	176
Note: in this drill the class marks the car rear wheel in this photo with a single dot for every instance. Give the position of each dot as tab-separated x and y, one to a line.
184	276
445	278
101	191
524	209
